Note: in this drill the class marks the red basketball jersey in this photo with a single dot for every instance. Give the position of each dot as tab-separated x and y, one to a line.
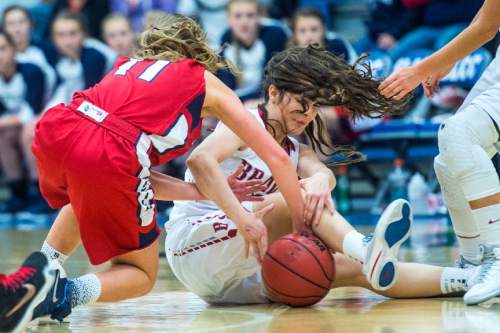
162	98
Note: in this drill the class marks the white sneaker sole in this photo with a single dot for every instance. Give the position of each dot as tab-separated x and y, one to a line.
479	297
391	231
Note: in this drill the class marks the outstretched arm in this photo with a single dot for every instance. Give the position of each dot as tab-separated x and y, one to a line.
433	68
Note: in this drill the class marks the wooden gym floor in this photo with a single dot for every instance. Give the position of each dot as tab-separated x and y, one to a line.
171	308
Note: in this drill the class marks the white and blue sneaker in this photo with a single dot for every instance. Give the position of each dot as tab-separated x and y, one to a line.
56	306
393	228
485	282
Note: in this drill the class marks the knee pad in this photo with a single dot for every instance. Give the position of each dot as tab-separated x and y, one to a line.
453	193
466	140
464	147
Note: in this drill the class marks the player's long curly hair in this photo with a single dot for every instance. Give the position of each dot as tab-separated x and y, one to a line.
176	37
320	76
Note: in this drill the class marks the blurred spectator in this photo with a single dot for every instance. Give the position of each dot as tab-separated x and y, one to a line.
17	22
210	13
135	10
21	96
151	17
94	12
41	15
250	45
323	6
389	21
282	9
77	66
118	34
442	21
308	26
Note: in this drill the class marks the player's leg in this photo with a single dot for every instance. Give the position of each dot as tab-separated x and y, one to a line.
415	280
464	142
130	275
63	236
378	254
465	226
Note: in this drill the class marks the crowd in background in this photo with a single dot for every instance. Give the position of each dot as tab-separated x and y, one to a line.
50	49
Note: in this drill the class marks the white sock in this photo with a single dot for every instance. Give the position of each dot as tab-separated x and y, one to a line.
52	253
455	279
488	220
84	290
353	246
467	233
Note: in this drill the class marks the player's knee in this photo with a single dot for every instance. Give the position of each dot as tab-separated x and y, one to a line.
147	285
455	144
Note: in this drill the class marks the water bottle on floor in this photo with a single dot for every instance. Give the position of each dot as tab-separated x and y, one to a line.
418	192
398	181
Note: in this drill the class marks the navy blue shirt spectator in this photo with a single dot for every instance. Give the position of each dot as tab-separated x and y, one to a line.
21	98
389	21
77	66
94	11
249	45
308	26
442	21
17	22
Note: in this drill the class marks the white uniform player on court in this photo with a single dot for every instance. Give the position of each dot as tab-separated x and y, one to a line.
206	253
467	142
206	250
199	233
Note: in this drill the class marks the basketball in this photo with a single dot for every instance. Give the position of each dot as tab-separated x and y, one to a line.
298	269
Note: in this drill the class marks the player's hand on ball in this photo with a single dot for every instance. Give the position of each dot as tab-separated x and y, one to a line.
245	190
254	232
318	198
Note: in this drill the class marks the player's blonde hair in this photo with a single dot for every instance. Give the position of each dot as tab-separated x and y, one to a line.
176	37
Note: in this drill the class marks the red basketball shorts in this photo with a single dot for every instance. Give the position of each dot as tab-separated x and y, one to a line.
102	174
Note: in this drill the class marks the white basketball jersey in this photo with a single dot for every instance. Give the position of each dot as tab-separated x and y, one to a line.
253	168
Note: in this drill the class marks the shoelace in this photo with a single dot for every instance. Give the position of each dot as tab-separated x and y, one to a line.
491	263
15	280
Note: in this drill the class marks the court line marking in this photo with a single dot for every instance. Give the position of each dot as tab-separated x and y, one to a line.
258	318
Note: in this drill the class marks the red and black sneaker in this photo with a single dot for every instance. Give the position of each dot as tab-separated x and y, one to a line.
22	291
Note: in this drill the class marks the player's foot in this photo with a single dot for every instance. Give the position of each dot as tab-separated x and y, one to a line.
56	305
22	291
392	229
485	283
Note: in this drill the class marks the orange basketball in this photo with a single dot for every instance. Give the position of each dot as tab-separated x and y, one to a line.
298	269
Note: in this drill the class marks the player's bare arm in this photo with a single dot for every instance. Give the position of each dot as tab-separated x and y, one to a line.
432	69
223	103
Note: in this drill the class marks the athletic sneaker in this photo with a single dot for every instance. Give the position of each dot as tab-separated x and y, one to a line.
22	291
56	305
392	229
461	262
485	283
